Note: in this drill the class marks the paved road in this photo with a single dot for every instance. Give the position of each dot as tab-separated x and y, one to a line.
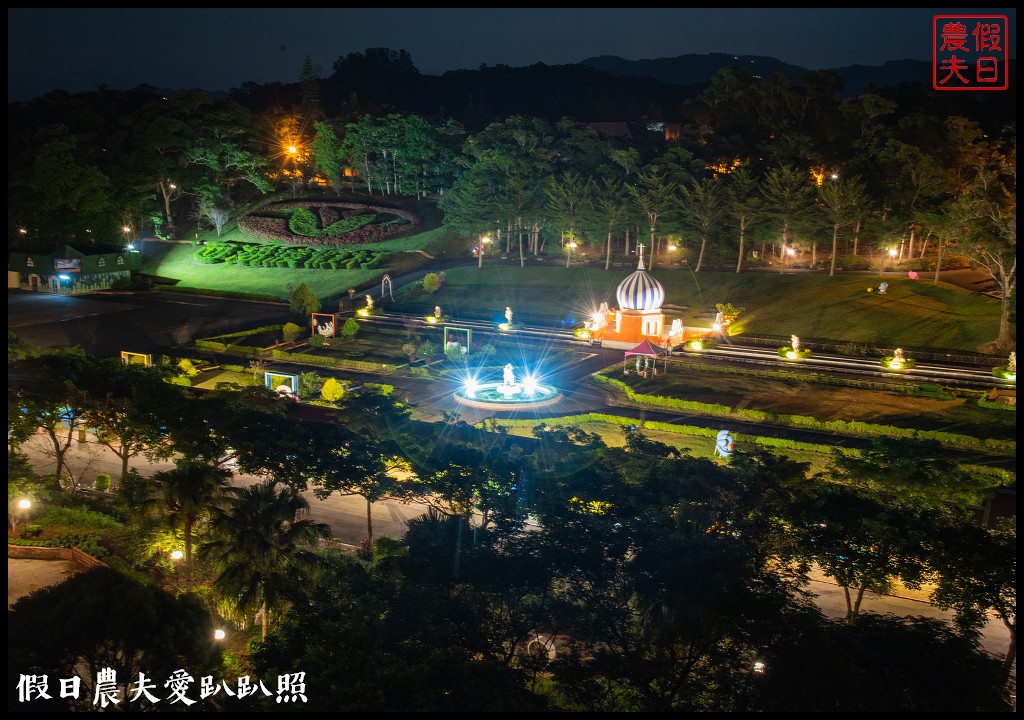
105	324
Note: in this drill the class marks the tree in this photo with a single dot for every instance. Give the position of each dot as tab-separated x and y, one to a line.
655	196
702	201
328	154
977	574
104	619
124	408
860	540
843	203
609	207
186	494
567	196
912	473
217	216
45	390
304	303
743	204
788	197
261	544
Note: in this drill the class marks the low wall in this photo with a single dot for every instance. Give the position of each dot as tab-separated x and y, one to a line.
80	558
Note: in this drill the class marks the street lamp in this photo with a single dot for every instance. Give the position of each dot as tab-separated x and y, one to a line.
892	258
480	251
14	518
786	251
570	246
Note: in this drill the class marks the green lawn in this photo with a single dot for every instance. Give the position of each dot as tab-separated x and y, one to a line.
816	307
177	262
914	314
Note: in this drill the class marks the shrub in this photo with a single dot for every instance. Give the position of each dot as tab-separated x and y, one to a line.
349	329
332	390
431	283
291	332
102	482
303	222
427	349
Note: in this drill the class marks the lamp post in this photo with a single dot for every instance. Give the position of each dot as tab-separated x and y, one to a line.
480	251
786	251
14	518
570	246
892	258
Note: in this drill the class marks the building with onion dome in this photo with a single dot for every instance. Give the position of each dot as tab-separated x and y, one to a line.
638	316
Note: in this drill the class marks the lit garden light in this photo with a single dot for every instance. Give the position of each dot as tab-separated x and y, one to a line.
24	504
481	248
177	554
219	634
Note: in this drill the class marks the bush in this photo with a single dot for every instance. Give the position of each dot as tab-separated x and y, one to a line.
427	349
291	332
102	482
431	283
332	390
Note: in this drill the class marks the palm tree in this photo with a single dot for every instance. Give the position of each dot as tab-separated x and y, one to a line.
261	544
186	493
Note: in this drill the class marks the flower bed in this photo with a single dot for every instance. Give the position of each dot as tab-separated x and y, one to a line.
267	223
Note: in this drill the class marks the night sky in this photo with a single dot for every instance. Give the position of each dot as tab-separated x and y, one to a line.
218	49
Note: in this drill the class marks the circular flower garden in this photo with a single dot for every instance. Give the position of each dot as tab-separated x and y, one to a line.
323	222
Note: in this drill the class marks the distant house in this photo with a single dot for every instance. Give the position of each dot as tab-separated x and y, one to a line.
69	271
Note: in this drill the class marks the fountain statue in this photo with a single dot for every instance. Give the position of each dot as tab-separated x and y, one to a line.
369	301
508	315
1011	365
437	311
794	342
510	378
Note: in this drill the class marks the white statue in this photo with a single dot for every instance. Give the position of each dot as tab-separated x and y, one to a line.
1011	365
510	378
369	301
794	342
437	311
508	315
897	356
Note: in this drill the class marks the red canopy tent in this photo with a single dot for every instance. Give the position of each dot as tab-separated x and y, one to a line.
645	350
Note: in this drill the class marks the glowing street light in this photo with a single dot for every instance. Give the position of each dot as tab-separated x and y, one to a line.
786	251
892	258
484	241
570	246
177	554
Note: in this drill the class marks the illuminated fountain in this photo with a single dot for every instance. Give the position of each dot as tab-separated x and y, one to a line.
508	394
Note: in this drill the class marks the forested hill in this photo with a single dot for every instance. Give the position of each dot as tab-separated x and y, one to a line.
601	89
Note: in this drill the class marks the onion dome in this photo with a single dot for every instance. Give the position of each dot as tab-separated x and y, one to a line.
640	291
